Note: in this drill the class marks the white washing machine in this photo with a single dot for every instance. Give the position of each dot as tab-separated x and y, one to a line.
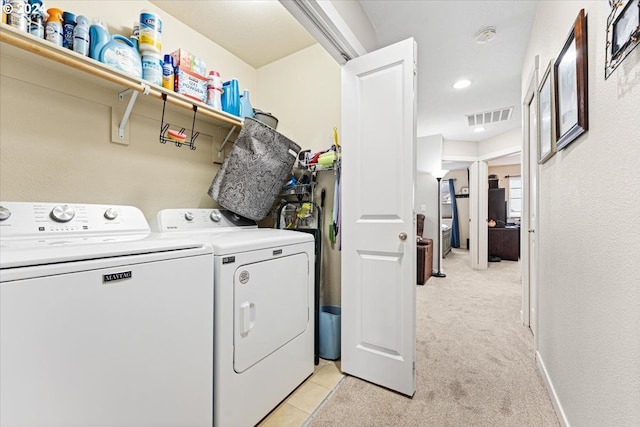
101	323
264	310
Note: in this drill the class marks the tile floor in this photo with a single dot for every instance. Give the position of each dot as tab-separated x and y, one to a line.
296	409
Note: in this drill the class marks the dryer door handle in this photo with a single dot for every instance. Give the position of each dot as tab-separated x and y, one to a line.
247	317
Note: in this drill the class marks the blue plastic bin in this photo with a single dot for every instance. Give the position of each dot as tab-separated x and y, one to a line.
329	345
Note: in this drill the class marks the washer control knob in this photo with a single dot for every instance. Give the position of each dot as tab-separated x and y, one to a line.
4	213
188	216
111	214
215	216
62	213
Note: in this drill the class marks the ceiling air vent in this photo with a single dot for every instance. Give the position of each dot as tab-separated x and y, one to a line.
501	115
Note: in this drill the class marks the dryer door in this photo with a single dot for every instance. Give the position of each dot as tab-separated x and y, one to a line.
271	307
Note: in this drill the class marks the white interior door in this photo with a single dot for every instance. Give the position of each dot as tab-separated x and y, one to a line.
378	226
478	202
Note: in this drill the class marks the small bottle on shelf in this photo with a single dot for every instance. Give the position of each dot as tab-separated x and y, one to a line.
81	36
214	90
36	19
246	110
53	29
68	25
168	75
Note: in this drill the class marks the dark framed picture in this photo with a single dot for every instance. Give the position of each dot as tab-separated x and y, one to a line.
546	144
570	86
623	32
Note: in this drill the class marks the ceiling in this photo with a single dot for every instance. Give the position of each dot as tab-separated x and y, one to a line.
257	31
262	31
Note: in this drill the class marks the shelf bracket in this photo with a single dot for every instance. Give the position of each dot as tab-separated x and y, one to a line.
127	112
226	139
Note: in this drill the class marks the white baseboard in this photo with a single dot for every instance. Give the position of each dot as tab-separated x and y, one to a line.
562	417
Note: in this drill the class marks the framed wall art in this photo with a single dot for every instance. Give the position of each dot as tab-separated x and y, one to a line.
546	144
623	32
570	86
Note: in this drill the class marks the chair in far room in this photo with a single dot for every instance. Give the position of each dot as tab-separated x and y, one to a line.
424	253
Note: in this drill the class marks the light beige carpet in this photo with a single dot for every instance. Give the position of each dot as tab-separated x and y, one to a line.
474	360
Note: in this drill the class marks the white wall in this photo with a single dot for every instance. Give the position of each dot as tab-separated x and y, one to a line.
428	159
501	145
460	150
303	92
426	203
589	287
55	129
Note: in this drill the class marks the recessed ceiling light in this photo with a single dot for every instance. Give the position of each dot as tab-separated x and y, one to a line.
461	84
479	129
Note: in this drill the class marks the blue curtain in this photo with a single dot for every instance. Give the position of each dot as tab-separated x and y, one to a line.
455	228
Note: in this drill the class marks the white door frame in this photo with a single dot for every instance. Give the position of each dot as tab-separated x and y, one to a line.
529	190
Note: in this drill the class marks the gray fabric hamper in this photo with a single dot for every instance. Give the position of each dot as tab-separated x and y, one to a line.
255	170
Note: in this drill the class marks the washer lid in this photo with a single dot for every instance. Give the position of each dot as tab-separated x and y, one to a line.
26	253
251	240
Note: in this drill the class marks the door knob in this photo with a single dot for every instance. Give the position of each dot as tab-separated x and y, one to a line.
532	231
403	236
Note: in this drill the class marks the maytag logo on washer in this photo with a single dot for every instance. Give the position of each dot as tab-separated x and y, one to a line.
244	277
114	277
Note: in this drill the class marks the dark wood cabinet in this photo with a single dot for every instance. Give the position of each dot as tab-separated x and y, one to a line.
497	205
505	243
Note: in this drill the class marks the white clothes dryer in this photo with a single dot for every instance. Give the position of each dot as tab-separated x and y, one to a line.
102	323
264	310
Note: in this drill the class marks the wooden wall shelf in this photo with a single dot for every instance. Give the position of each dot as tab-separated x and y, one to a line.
40	52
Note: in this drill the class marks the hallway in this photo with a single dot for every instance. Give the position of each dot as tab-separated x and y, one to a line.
474	360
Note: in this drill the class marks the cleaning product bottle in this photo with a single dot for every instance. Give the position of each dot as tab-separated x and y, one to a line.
68	25
53	28
81	35
150	38
214	90
231	97
135	35
120	54
98	37
152	67
36	19
17	14
246	110
168	73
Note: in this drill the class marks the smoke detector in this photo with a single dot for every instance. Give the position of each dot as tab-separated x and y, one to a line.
485	35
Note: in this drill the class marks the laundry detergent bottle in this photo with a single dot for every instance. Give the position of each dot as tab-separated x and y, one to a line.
246	110
231	97
98	37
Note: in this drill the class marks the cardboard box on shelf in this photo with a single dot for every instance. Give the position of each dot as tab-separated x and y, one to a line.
187	61
190	84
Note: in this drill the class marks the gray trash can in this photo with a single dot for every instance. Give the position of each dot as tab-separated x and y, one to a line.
329	345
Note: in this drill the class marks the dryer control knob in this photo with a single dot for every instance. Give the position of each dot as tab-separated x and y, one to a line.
188	216
62	213
4	213
111	214
215	216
